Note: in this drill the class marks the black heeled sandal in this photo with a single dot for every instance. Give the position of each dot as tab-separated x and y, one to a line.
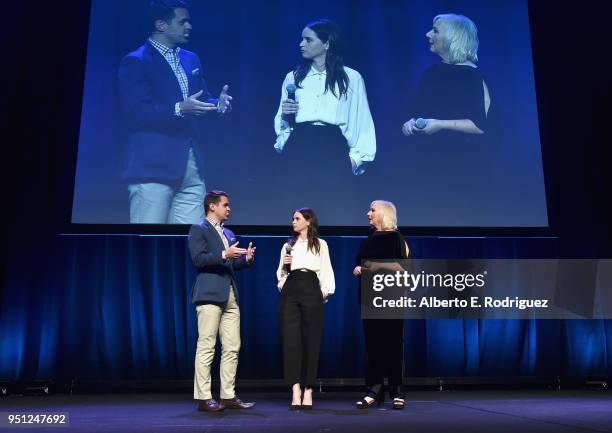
376	398
398	403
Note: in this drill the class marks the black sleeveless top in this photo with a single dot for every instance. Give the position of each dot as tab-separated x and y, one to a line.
382	245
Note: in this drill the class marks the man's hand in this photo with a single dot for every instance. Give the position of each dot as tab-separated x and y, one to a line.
225	100
250	252
357	271
233	252
191	105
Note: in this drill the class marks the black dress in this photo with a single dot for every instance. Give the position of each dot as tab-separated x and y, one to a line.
462	169
384	338
455	92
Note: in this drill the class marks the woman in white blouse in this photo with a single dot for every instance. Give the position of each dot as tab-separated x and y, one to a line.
305	280
328	127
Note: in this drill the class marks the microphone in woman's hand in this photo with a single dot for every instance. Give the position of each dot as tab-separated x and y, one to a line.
291	88
420	123
288	253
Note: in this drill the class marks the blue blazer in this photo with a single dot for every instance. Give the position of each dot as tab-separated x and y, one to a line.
157	140
214	273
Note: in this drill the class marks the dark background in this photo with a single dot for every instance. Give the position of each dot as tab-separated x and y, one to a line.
53	320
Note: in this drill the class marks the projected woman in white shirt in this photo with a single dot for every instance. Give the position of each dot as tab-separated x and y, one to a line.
306	280
328	123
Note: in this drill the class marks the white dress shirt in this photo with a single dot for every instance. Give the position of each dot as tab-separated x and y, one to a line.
302	258
350	113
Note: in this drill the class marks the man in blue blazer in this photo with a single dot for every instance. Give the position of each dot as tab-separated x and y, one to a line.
162	93
215	253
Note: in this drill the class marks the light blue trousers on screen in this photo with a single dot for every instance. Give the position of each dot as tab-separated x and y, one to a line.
158	203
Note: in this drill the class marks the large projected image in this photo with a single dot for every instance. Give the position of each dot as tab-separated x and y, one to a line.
429	104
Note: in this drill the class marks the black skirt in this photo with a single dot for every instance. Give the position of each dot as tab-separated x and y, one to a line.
316	171
322	148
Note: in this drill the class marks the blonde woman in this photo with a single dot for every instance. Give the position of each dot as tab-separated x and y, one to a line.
452	101
383	338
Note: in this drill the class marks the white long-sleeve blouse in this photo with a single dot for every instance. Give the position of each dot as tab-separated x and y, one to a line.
350	113
302	258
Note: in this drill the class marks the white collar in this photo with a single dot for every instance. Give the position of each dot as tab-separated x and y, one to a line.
313	71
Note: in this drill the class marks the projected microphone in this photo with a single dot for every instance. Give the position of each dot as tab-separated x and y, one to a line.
288	253
291	95
420	123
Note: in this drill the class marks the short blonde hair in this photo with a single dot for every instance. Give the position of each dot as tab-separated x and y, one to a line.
461	37
388	213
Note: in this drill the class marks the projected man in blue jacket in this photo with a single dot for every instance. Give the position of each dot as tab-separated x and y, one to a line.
162	94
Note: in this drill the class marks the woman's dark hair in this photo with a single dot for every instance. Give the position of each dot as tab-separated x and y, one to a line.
313	230
327	31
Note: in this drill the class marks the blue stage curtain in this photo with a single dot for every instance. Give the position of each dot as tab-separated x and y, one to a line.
117	308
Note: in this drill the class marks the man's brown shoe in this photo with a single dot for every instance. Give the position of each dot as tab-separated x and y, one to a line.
236	403
210	405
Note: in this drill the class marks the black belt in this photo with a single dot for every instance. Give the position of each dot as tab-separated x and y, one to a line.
315	123
304	270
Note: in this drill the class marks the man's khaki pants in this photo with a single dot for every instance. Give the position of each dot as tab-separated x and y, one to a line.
223	320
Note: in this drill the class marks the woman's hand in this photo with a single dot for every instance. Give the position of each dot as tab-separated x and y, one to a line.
357	271
287	259
290	106
432	126
409	127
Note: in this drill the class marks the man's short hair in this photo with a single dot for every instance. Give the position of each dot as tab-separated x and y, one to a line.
164	10
213	197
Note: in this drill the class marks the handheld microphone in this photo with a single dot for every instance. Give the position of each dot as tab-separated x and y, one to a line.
288	253
420	123
291	88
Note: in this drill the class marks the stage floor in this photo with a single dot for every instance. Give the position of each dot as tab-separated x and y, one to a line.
426	411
